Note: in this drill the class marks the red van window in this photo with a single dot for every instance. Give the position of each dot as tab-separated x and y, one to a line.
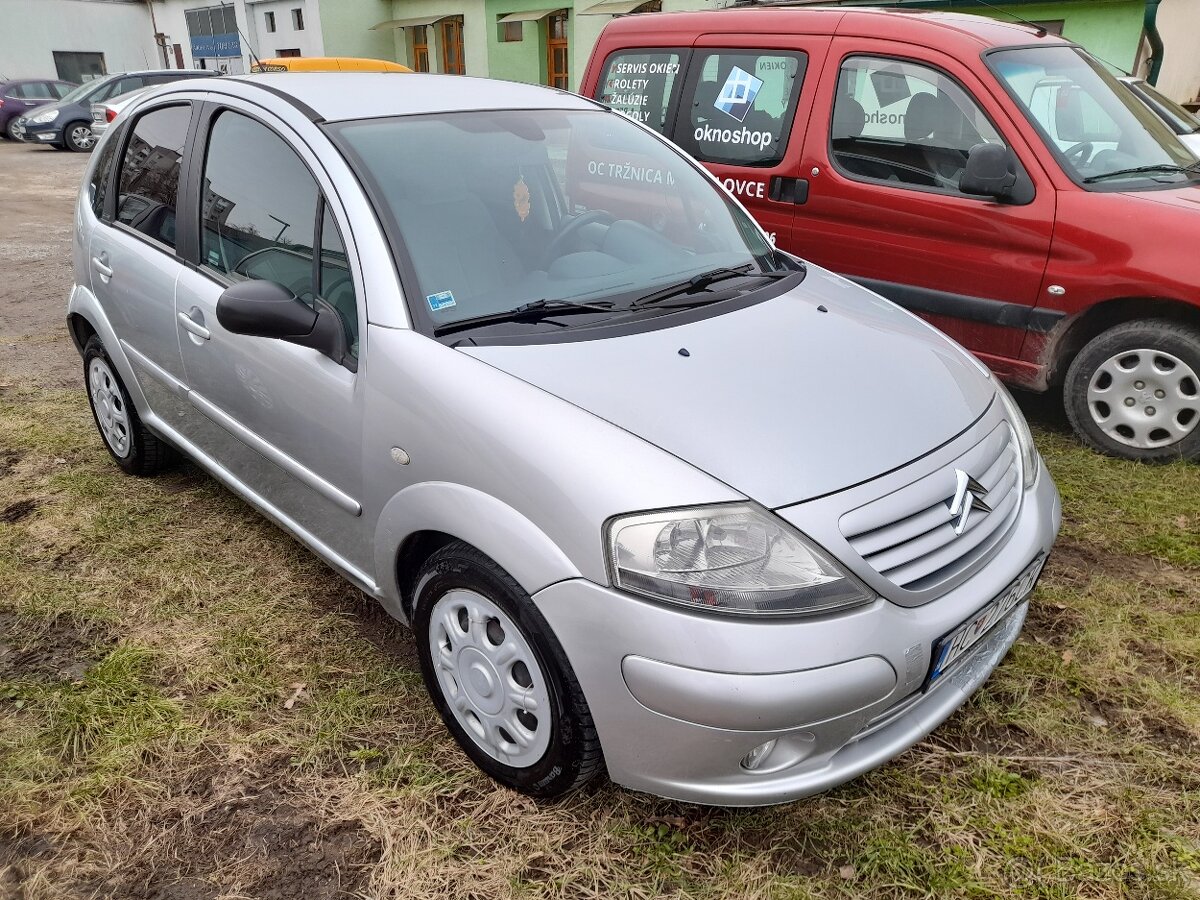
640	84
740	105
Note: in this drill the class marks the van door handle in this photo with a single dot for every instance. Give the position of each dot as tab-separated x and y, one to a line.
99	263
191	326
788	190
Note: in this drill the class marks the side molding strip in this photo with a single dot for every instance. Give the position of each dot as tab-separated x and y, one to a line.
297	470
962	306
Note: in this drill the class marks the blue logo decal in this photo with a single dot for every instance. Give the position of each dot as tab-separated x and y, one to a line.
737	96
443	300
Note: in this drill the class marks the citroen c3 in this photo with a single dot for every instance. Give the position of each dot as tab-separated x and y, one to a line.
656	498
992	177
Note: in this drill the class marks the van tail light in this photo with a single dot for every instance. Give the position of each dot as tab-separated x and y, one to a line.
109	114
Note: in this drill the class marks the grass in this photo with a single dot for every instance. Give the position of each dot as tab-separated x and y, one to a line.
189	702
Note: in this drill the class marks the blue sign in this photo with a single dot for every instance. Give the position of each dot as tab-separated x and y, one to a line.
216	45
738	93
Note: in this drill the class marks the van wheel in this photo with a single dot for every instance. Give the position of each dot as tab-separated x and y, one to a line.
499	678
134	448
1134	391
78	136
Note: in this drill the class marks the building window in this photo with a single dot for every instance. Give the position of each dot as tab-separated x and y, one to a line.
420	48
510	32
453	62
291	51
557	74
298	19
79	67
269	17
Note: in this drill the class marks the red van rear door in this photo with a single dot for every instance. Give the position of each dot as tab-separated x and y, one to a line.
889	135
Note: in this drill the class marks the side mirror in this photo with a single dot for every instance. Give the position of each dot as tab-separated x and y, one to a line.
269	310
988	172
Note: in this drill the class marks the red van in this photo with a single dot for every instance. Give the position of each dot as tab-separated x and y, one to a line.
991	177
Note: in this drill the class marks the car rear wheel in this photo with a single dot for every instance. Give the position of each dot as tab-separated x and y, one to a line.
77	136
499	678
10	129
1134	391
135	449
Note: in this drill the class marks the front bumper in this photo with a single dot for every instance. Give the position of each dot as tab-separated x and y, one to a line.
34	133
680	699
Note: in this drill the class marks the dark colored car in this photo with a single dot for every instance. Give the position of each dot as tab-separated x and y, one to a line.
22	95
67	124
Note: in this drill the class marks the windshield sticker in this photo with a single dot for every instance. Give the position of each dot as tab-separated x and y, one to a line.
521	198
440	301
759	139
738	93
628	172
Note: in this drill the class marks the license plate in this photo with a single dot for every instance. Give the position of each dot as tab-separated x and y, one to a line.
955	645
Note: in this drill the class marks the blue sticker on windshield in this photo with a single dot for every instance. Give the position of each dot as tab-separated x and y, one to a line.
444	300
738	93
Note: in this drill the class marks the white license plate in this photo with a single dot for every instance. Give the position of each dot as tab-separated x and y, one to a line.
955	645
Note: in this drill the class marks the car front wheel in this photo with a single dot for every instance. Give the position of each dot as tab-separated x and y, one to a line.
10	130
1134	391
77	136
499	678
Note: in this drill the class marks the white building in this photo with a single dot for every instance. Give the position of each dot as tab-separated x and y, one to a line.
229	36
75	40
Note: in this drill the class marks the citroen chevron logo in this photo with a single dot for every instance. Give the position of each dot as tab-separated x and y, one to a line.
968	495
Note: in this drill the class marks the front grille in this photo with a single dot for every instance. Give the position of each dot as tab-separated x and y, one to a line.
908	536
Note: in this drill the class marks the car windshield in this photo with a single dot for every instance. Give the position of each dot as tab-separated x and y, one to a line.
82	91
1103	135
1182	121
498	209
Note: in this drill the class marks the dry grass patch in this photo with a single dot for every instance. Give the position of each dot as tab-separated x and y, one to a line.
193	706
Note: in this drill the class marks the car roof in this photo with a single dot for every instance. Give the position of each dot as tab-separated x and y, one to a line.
339	96
937	29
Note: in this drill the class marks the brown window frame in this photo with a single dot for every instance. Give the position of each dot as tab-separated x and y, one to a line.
554	77
453	61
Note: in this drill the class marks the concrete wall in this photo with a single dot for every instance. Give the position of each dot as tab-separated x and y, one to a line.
346	27
1179	25
33	29
309	41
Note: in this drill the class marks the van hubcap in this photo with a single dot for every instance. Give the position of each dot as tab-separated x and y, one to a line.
1145	398
490	678
81	136
109	405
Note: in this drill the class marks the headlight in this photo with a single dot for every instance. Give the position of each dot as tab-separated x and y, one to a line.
733	558
1029	455
42	118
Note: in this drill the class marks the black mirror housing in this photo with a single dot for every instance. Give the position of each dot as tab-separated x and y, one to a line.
989	172
269	310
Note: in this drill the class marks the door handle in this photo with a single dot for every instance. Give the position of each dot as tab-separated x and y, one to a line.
191	326
788	190
99	263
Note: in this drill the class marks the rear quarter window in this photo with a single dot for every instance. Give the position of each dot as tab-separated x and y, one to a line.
641	84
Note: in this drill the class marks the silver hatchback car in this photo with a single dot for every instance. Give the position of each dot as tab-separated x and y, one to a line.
655	497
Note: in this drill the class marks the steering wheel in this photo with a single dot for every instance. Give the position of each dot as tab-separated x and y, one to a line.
1079	154
572	228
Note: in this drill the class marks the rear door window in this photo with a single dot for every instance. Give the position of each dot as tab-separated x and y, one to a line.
36	90
642	85
149	183
739	105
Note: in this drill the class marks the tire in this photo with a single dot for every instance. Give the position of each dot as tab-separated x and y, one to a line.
1133	391
131	445
78	137
10	129
506	648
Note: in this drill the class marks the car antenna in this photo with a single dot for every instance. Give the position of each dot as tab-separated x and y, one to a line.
254	60
1039	30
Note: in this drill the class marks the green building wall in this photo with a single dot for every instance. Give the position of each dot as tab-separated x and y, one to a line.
346	28
1110	31
524	60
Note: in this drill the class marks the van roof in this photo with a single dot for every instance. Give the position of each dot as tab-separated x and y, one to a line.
940	30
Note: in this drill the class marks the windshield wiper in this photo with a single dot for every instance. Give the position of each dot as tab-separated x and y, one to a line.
1138	170
701	282
533	311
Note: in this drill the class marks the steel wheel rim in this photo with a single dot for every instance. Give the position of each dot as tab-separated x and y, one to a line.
81	136
109	405
490	678
1145	398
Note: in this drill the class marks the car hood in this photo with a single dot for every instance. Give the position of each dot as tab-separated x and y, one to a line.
780	400
1186	198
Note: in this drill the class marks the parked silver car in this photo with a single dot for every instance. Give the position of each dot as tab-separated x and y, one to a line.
655	497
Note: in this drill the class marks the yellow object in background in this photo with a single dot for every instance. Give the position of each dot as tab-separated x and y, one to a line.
326	64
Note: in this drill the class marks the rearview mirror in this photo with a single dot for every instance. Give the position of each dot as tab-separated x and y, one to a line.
988	172
269	310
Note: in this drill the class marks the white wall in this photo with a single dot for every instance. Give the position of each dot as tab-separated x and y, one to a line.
254	36
1179	25
33	29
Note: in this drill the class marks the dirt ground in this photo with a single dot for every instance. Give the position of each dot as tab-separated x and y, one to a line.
38	187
